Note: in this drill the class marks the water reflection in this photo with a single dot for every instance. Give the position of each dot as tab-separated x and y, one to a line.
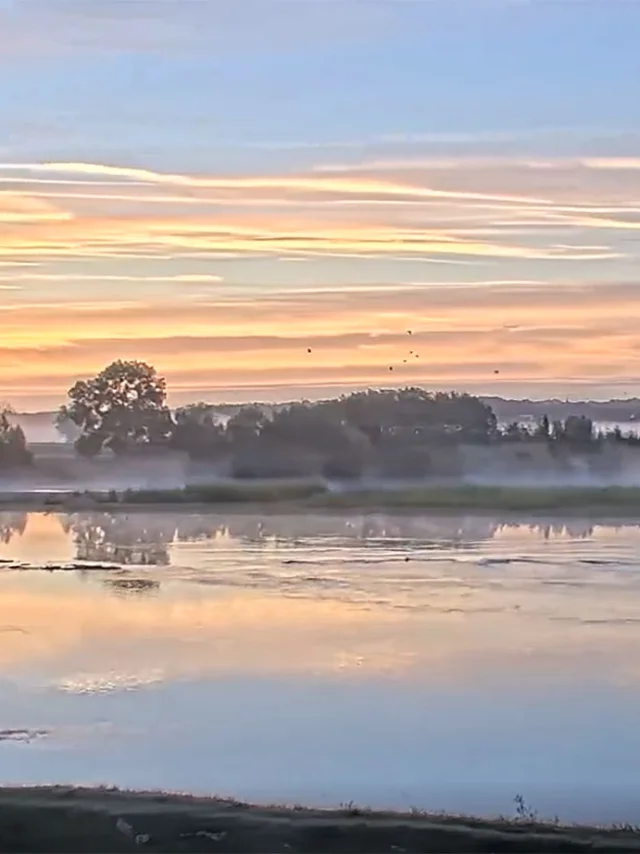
418	650
396	563
131	586
145	538
11	524
140	540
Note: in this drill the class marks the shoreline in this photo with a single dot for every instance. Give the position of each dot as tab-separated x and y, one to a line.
605	501
69	819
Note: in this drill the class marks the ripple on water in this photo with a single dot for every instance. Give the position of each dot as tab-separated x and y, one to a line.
367	657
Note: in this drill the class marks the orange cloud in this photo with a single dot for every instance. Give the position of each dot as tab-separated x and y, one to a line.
20	208
180	278
105	231
458	332
460	212
179	237
304	183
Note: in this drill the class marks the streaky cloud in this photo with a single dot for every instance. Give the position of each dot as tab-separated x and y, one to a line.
318	184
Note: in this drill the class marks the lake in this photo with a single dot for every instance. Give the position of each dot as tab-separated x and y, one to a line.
438	661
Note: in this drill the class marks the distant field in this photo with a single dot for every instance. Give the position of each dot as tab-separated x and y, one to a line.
107	820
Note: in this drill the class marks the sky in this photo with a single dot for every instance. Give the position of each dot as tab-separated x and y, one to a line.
446	188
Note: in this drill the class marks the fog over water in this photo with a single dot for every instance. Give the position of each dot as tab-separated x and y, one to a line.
443	661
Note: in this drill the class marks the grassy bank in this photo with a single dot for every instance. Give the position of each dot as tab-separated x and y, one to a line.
105	820
459	497
464	497
290	496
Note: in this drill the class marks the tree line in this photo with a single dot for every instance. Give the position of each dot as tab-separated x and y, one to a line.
403	432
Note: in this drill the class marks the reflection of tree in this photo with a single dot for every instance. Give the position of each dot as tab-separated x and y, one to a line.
575	529
139	539
132	586
10	525
346	529
194	528
143	538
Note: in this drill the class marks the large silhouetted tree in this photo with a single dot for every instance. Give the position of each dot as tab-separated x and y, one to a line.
122	406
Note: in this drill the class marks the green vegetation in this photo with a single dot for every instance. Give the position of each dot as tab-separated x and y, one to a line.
395	434
427	498
312	495
490	498
227	493
13	444
109	820
405	434
123	406
389	433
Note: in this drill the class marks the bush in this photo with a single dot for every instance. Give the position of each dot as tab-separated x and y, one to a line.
13	445
347	466
405	463
266	459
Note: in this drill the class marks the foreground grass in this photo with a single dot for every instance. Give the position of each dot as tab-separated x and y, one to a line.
108	820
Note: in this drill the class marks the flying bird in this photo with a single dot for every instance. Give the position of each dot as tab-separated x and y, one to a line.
308	349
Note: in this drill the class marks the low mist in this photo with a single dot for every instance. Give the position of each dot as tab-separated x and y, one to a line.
58	468
376	439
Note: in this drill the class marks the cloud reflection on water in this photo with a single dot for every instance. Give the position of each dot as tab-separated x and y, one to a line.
399	595
215	644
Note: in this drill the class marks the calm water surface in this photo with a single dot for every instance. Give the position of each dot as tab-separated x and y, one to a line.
446	662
